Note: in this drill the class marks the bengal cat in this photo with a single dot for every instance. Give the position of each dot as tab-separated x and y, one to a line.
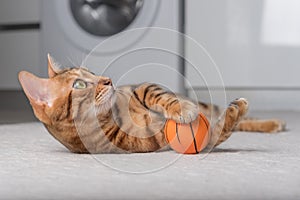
88	115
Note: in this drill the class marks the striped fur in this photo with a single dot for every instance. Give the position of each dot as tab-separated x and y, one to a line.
101	119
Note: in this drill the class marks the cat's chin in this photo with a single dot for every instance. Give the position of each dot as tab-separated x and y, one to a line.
106	103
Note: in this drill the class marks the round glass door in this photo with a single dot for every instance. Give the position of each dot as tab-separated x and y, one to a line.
105	17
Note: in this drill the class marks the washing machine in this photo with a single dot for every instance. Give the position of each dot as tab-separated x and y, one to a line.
131	41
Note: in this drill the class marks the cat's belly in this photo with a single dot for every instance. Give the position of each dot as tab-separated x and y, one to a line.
142	133
143	125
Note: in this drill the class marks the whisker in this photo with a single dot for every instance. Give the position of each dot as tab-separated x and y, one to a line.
71	61
83	59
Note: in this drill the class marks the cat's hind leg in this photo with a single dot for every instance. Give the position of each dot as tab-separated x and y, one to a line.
224	126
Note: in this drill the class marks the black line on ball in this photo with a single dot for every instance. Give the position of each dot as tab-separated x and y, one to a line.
204	121
207	126
195	143
177	133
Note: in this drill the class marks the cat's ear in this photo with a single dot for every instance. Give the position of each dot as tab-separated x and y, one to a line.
38	92
53	67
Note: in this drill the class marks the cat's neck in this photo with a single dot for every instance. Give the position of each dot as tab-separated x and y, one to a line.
105	117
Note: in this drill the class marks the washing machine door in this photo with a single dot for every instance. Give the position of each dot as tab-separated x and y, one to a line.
88	23
105	17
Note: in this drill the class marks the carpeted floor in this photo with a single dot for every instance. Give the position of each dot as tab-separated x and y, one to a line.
248	166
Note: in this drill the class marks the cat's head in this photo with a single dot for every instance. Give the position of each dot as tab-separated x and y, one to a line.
67	93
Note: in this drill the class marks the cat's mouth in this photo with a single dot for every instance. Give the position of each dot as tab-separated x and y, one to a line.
104	96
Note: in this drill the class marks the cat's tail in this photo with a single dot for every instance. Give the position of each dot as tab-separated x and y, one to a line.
262	126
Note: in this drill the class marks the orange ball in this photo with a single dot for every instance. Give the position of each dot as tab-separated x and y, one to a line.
188	138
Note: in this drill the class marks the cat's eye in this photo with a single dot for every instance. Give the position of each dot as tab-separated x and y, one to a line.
80	84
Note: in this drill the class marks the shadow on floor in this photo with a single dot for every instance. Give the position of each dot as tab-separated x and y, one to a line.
15	108
16	117
220	150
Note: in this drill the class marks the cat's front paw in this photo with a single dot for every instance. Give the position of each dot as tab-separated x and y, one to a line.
184	112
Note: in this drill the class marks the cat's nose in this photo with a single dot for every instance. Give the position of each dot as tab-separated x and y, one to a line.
105	81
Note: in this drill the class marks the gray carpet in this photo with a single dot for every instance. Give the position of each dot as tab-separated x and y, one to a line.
248	166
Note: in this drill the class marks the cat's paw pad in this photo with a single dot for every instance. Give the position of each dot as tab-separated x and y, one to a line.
242	105
184	112
236	112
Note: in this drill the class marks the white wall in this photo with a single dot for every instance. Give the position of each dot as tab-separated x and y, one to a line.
255	45
19	49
